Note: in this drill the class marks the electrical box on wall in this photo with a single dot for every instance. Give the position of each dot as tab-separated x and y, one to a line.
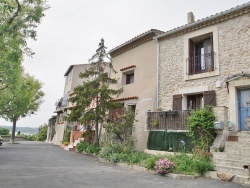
219	125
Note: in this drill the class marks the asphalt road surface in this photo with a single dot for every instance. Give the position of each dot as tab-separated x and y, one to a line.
43	165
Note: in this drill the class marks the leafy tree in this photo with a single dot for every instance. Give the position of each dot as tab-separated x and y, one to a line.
18	21
42	134
201	126
92	99
4	131
24	100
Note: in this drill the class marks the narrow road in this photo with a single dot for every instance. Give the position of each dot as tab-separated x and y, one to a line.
43	165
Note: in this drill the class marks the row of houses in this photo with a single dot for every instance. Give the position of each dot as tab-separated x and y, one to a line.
205	62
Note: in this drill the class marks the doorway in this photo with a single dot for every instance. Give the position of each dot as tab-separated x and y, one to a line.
244	109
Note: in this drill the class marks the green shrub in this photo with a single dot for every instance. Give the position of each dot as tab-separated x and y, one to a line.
4	131
201	127
31	137
150	161
42	134
202	166
87	148
184	164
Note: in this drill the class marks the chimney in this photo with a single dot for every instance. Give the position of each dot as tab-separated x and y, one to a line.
190	17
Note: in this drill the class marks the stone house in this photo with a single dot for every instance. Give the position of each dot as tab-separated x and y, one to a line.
135	62
63	106
208	62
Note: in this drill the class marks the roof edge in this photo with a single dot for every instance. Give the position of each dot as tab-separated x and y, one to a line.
151	31
202	21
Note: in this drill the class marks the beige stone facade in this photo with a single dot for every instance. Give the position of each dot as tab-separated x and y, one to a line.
230	33
63	108
135	63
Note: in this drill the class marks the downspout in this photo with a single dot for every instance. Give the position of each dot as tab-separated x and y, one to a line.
157	74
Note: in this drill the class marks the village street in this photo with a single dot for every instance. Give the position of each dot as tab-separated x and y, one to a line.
43	165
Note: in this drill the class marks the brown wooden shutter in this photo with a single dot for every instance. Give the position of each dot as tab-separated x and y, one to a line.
209	98
191	58
212	52
177	102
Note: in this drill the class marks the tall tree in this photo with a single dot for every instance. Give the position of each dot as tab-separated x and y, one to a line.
92	99
18	21
23	100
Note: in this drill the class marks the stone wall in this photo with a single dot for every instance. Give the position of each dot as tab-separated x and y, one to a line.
232	52
17	138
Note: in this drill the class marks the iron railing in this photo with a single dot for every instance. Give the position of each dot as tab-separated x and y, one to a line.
168	120
200	64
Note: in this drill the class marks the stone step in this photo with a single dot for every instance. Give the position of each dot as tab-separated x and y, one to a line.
237	150
240	134
237	144
234	156
230	162
70	147
232	169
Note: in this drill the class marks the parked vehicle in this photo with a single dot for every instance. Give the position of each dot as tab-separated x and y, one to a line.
1	141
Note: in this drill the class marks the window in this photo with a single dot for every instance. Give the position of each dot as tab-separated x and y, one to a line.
132	107
195	101
201	55
128	77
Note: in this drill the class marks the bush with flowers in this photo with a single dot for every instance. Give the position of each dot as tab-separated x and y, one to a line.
163	166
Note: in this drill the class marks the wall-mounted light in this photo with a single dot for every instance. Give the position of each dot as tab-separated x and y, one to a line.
218	84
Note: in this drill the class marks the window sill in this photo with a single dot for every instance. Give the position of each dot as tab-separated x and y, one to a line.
201	75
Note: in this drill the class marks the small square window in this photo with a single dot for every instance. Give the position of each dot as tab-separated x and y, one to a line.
128	77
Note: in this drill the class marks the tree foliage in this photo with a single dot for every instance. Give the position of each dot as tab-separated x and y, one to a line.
42	133
92	99
201	127
4	131
18	21
120	129
23	100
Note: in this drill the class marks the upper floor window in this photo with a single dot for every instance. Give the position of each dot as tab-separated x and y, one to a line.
201	54
128	77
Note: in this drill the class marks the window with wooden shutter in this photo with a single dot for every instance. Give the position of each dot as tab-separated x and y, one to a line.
201	54
177	102
209	98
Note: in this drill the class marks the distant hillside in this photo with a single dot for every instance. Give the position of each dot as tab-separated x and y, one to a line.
23	130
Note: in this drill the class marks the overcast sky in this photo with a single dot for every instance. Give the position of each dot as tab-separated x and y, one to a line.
72	29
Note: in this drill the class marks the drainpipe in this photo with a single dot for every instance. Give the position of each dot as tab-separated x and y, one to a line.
157	74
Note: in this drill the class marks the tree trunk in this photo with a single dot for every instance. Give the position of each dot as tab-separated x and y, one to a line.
12	139
96	142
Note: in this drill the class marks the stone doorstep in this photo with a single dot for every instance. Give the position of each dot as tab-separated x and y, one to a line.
232	156
230	162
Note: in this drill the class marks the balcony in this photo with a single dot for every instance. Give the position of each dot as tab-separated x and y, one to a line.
168	120
200	64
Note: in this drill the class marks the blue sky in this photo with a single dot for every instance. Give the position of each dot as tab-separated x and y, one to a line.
72	29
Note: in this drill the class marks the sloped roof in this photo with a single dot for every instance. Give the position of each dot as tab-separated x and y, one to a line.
71	67
134	42
213	19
